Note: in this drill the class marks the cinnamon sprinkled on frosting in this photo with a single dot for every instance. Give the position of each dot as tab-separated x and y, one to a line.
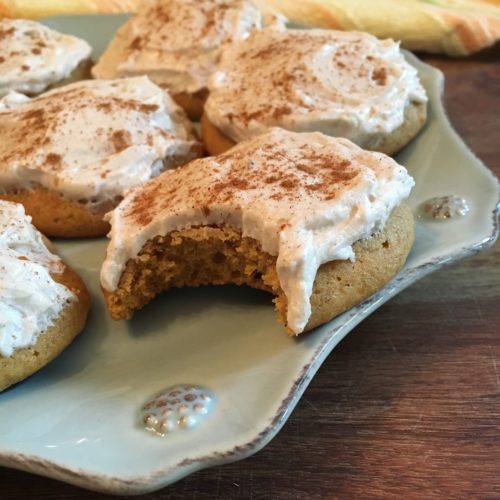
345	84
92	139
33	57
177	43
305	197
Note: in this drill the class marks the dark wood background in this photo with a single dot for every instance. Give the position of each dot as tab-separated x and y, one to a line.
408	405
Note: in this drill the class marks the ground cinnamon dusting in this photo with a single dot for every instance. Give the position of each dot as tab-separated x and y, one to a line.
158	17
121	140
6	33
104	106
27	131
380	76
277	78
281	111
28	136
209	22
247	172
53	159
136	44
139	212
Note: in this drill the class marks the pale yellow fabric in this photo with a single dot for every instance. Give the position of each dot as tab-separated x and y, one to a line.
33	9
455	27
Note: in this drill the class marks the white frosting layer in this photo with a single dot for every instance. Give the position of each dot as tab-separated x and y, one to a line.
33	57
177	43
306	198
30	299
92	140
345	84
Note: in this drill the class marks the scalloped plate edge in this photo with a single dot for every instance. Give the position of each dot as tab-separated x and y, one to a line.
159	478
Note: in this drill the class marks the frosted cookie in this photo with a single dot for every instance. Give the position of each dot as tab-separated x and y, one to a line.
34	57
43	303
344	84
178	44
314	220
70	154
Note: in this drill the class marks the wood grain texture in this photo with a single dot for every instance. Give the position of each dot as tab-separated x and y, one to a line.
408	405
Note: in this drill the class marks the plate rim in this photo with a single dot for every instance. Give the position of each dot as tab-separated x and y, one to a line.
161	477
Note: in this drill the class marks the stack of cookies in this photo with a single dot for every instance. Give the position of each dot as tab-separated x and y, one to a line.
300	197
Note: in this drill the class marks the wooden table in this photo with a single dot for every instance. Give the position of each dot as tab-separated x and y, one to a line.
408	405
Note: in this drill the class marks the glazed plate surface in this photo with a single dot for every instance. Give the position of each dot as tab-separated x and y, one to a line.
78	419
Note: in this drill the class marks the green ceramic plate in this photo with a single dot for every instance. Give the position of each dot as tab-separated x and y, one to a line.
78	419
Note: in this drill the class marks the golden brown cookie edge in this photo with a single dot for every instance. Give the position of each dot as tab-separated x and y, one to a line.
27	361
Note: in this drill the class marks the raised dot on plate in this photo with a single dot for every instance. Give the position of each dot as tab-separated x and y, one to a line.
150	420
199	408
165	426
187	421
443	208
164	416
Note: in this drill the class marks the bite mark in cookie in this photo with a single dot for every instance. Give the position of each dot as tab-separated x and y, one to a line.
294	201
